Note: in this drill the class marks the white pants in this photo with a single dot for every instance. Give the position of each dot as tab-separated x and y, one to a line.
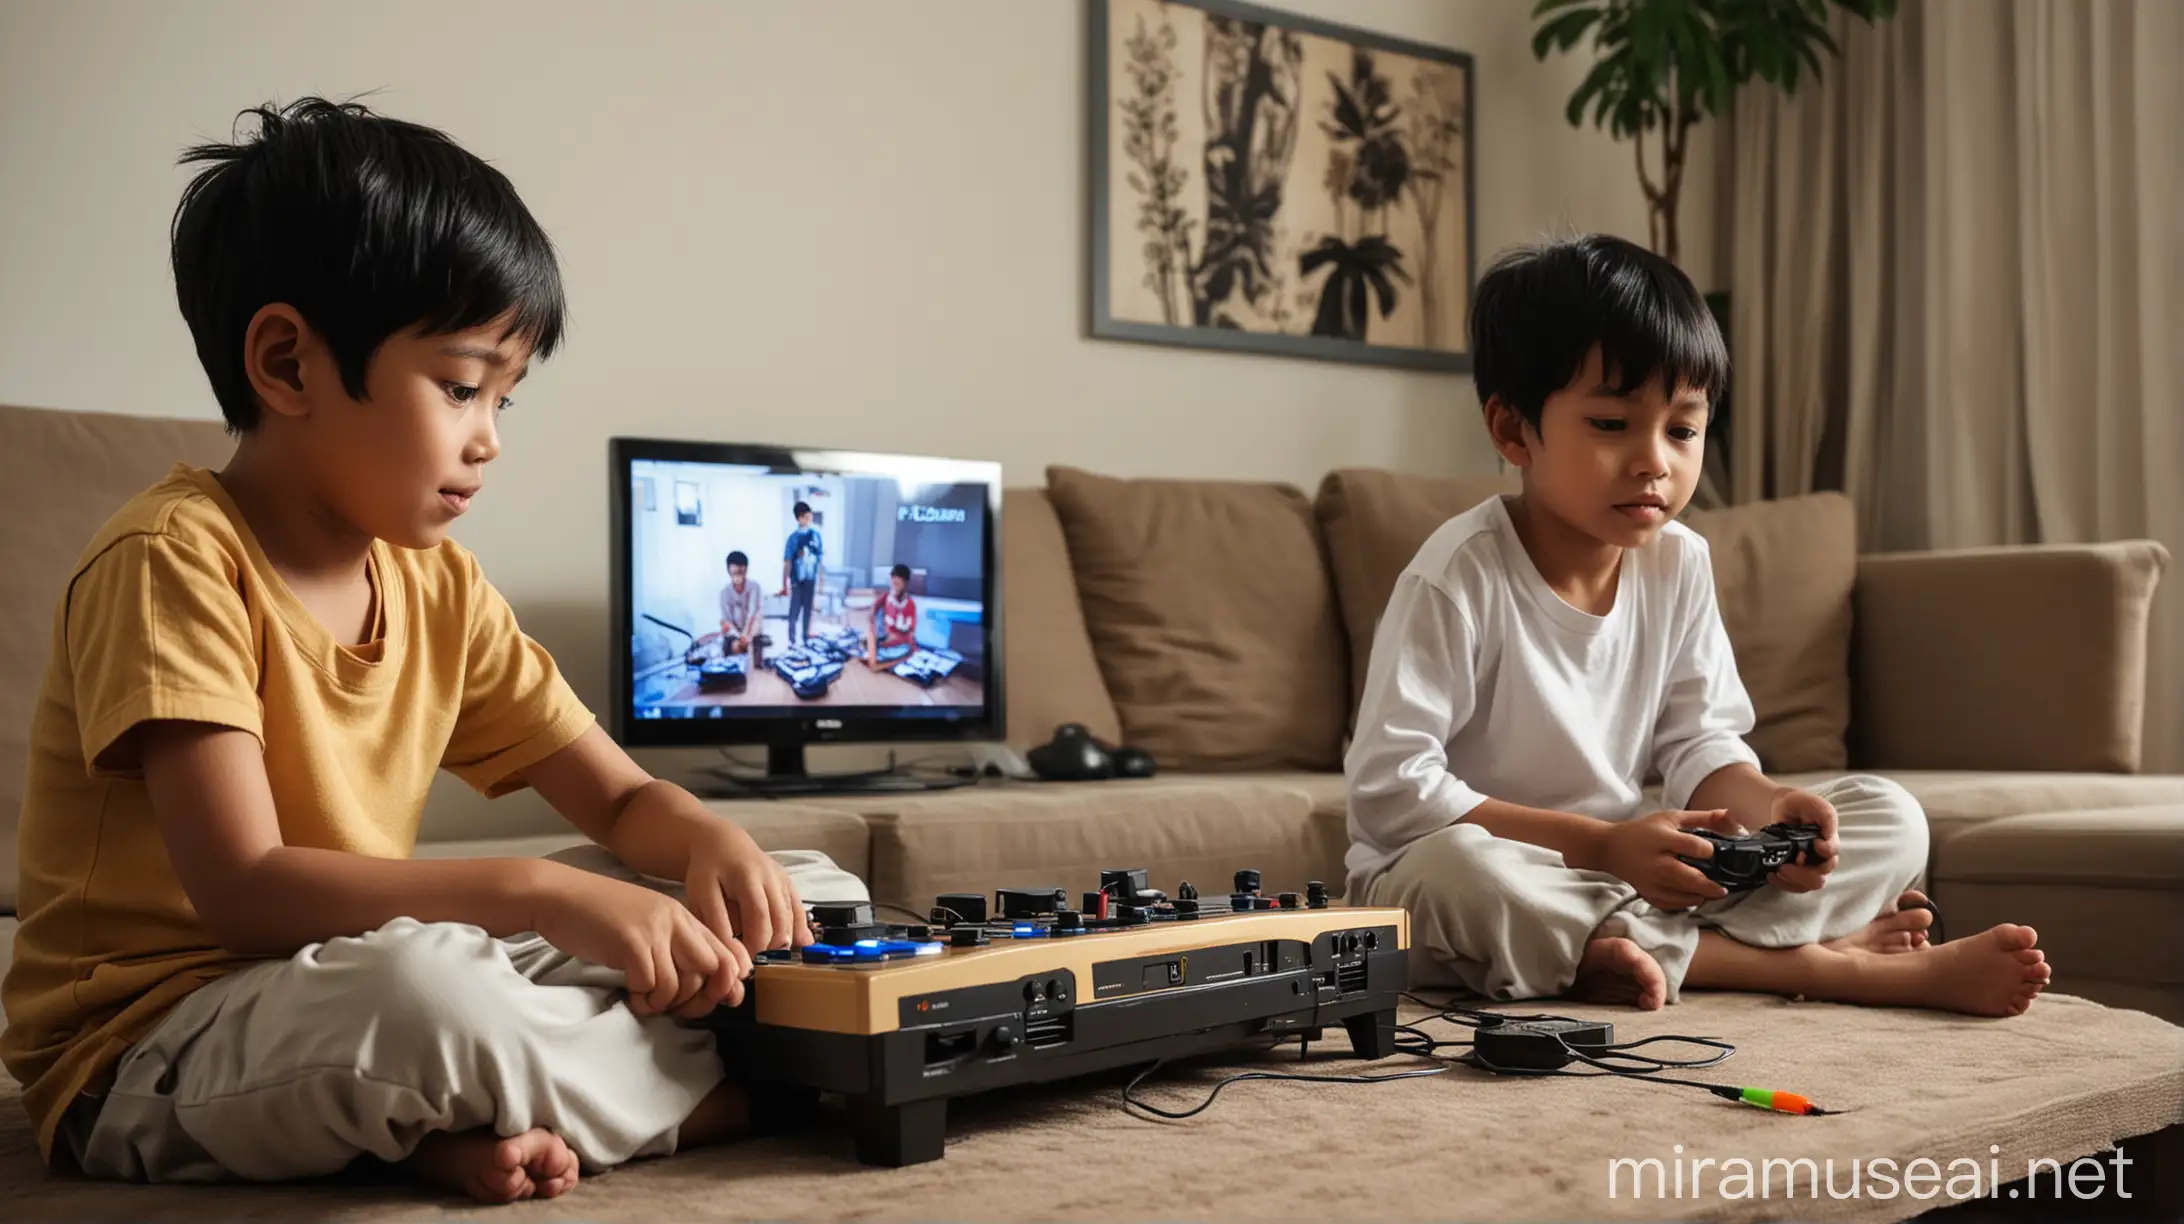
365	1045
1510	920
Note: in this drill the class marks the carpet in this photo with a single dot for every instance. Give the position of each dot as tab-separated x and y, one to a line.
2062	1082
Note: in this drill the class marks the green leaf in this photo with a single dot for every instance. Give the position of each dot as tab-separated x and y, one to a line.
1545	7
1563	32
1599	81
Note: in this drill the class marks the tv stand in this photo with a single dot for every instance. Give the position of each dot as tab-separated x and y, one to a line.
786	775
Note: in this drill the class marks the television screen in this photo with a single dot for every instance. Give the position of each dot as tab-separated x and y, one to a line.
808	587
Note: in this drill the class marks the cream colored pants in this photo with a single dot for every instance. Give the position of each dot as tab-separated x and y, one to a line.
363	1046
1509	920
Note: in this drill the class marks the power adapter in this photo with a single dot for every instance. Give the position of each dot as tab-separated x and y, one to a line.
1538	1045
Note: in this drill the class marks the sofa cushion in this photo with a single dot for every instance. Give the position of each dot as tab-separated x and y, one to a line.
1200	829
1783	573
1053	677
1375	521
1213	617
2104	888
62	475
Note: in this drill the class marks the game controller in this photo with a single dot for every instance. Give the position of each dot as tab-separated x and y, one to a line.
1744	862
1074	755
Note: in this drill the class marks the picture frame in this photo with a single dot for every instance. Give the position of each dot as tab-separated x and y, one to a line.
1318	200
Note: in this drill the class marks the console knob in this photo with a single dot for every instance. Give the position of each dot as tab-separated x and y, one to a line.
1186	891
1315	894
951	908
1029	902
1006	1034
1068	920
1292	901
1124	883
1133	915
1247	881
859	914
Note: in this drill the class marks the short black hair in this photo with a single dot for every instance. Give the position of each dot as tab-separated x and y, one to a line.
737	558
1540	309
900	571
367	226
802	509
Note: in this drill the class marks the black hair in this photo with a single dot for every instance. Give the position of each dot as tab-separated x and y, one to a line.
737	558
1540	309
900	571
367	226
802	509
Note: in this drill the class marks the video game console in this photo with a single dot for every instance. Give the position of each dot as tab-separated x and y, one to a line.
928	667
1028	989
729	674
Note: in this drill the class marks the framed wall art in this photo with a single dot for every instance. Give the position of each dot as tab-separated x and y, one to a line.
1268	183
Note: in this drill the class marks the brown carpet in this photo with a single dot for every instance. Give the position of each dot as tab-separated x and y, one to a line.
2062	1082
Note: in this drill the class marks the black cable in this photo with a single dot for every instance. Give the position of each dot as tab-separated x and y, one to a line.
1131	1101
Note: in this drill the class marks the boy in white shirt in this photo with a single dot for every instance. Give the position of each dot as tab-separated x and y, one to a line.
1544	654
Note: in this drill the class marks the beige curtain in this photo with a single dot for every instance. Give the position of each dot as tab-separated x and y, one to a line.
1957	287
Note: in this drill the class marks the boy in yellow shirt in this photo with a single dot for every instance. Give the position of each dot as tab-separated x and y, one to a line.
228	965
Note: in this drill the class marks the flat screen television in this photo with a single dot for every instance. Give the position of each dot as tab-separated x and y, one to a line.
786	596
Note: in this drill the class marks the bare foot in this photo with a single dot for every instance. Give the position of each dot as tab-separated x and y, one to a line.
1615	970
1899	928
1997	972
491	1169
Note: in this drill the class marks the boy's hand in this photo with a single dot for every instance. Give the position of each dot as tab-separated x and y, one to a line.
673	963
1643	852
1793	806
741	893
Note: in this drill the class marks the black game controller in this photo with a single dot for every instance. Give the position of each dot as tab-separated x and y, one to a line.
1074	755
1744	863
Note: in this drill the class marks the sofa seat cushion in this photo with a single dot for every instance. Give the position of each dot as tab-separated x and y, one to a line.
839	835
2104	888
1032	835
1211	610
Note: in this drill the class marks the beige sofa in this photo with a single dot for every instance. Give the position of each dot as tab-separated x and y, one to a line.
1224	627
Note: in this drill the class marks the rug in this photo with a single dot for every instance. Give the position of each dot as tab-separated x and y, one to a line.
2064	1081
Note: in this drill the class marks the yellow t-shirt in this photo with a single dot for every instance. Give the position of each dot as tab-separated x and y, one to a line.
173	612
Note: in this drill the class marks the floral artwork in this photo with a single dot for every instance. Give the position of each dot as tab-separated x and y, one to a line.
1264	182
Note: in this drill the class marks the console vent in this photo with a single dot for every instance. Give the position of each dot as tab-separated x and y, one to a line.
1050	1032
1350	979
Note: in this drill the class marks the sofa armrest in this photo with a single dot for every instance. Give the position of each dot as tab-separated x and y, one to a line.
2003	658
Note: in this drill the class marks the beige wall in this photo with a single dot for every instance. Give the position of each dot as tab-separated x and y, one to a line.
822	222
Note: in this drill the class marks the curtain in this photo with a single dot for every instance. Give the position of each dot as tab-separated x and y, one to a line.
1957	287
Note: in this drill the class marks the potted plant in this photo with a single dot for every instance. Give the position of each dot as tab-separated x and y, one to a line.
1665	65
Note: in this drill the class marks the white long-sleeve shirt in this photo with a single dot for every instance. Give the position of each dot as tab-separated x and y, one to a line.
1485	684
